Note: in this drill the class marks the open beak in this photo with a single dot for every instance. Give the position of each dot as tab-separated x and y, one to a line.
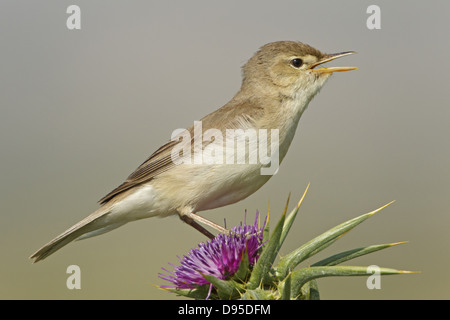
330	57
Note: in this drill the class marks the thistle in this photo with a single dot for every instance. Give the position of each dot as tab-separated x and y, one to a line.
223	257
240	265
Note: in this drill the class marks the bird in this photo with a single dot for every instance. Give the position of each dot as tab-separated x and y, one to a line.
278	82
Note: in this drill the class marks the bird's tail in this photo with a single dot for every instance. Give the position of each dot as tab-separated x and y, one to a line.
89	226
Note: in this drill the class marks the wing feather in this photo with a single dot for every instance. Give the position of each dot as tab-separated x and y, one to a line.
161	160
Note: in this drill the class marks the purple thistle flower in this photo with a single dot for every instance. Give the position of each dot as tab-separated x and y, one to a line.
219	257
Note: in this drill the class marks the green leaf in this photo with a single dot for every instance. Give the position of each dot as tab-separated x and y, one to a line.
266	231
263	265
290	261
226	290
243	270
290	219
200	292
354	253
310	291
302	276
285	288
258	294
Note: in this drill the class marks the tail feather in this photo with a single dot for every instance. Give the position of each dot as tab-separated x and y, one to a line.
86	225
100	231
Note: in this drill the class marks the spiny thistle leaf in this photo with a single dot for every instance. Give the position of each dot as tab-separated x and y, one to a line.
266	231
302	276
259	294
240	265
286	288
243	270
226	290
267	257
290	219
290	261
352	254
310	291
197	293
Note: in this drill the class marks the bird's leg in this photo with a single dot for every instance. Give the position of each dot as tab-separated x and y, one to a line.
197	226
213	225
193	220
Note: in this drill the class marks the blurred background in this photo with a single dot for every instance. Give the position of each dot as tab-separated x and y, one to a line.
81	109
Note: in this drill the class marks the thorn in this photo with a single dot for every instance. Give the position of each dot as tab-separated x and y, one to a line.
381	208
287	204
303	196
397	243
406	271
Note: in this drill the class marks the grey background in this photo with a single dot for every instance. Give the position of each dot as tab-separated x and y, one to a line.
80	110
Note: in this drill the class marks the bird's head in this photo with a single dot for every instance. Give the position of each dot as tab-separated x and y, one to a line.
289	67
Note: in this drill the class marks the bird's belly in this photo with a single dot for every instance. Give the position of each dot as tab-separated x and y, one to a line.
197	187
143	202
203	187
237	185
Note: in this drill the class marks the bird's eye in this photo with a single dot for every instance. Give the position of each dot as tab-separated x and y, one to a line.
297	62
